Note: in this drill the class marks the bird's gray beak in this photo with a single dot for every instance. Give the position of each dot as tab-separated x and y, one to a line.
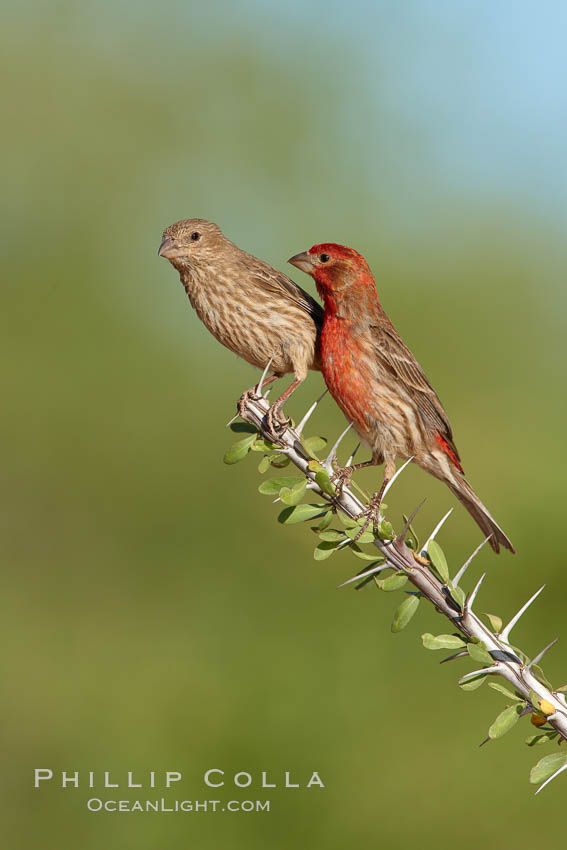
170	248
303	261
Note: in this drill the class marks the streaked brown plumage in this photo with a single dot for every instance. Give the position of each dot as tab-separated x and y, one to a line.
378	383
248	306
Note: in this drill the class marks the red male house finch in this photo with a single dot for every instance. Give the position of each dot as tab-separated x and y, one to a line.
378	383
250	307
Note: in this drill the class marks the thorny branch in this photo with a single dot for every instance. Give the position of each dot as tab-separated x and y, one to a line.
493	649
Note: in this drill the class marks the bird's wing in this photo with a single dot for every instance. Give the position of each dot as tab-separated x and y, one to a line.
399	360
277	283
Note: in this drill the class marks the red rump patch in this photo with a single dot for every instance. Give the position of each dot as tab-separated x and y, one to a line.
450	450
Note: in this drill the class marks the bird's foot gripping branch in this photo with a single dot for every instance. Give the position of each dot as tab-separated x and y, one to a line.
399	562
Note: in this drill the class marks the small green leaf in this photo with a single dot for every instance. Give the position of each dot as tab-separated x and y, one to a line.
332	535
505	721
272	486
325	522
442	641
496	686
293	495
542	738
347	521
239	450
324	550
325	483
534	699
541	677
546	767
495	622
562	689
261	445
364	556
386	530
472	684
458	595
478	652
301	513
315	466
395	582
279	460
404	613
264	464
314	445
438	560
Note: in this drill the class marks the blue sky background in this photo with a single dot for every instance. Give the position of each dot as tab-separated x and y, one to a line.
483	83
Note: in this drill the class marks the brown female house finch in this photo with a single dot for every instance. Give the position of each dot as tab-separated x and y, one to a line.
250	307
378	383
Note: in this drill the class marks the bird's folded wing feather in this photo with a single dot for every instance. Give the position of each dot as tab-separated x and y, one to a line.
399	360
277	283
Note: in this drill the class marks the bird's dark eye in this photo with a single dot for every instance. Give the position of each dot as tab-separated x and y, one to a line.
195	236
324	258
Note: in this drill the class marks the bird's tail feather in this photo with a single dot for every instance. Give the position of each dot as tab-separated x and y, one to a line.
466	495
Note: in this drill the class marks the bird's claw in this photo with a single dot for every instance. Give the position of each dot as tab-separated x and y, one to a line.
372	514
342	476
249	395
276	424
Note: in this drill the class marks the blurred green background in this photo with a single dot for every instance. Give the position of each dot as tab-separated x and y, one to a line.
156	616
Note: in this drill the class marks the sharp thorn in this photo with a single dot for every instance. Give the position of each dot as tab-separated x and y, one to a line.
485	671
263	378
267	393
395	476
551	778
455	655
299	428
505	633
472	595
361	571
486	740
437	528
328	463
467	563
540	655
364	582
351	458
371	572
230	421
402	535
